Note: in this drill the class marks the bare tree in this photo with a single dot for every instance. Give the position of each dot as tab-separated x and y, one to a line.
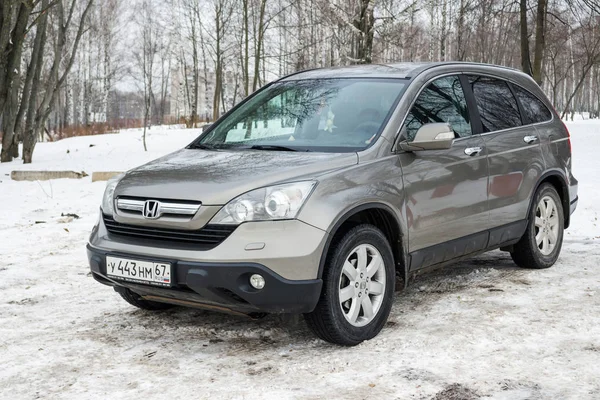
14	17
210	53
364	22
145	56
62	22
589	45
223	10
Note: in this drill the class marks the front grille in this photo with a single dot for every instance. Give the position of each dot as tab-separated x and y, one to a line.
157	208
203	239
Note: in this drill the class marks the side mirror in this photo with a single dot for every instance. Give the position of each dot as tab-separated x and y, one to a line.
435	136
205	127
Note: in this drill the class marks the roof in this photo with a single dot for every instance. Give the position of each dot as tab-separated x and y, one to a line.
394	70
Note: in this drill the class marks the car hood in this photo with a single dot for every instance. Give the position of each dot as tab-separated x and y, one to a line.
216	177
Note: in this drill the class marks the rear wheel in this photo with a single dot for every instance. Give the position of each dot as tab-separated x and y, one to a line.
540	245
136	300
358	288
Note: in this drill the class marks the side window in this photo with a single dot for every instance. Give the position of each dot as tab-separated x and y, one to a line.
497	106
442	101
535	111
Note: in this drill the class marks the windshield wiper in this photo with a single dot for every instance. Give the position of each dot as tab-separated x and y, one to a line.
272	147
200	146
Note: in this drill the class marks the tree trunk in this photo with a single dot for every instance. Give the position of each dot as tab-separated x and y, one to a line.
460	31
195	67
443	31
540	40
365	25
259	44
9	117
12	81
30	108
246	54
525	56
580	82
218	65
218	89
187	90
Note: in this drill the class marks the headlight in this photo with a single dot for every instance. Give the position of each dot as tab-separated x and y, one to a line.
266	204
109	192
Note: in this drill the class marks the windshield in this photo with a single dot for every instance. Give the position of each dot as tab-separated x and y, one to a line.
327	115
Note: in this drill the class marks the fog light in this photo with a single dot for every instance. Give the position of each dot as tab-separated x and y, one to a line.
257	281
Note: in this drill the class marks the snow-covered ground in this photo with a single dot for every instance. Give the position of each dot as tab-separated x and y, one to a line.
482	328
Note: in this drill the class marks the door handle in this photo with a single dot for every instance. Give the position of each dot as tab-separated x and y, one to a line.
530	139
472	151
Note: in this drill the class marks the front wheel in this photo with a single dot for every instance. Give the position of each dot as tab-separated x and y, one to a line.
358	288
540	245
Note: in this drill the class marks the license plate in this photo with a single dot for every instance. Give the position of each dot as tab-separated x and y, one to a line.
156	273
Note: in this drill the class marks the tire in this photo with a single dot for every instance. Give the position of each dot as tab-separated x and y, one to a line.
135	300
331	319
528	252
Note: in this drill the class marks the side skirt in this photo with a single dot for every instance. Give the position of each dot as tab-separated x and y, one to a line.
442	254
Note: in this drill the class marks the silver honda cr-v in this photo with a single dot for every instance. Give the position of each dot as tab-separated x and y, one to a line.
321	189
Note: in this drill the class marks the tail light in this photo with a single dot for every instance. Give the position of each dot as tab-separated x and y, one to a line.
566	129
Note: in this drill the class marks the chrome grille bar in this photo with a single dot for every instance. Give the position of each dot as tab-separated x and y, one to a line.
165	207
130	205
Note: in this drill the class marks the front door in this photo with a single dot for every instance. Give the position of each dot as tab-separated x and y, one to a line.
445	190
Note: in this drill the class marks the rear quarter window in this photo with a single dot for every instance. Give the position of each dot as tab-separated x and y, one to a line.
534	109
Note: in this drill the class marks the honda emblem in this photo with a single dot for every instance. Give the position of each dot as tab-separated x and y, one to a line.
151	209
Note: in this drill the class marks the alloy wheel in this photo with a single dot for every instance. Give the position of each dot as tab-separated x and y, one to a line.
362	285
546	225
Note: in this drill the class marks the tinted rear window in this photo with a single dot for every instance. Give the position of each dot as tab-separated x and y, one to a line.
535	111
496	104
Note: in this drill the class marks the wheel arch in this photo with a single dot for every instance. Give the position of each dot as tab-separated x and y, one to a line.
379	215
556	179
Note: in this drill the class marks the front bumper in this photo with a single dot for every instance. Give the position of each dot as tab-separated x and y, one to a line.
220	286
286	253
291	249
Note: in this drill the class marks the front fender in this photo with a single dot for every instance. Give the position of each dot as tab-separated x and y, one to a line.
376	184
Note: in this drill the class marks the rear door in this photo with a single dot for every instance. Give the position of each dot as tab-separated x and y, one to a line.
445	190
514	155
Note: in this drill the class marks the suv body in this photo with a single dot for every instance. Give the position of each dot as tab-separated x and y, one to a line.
428	198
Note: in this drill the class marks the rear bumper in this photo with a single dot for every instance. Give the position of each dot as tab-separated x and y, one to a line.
573	205
573	198
221	286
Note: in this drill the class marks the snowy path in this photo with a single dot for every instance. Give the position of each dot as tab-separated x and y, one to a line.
482	328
